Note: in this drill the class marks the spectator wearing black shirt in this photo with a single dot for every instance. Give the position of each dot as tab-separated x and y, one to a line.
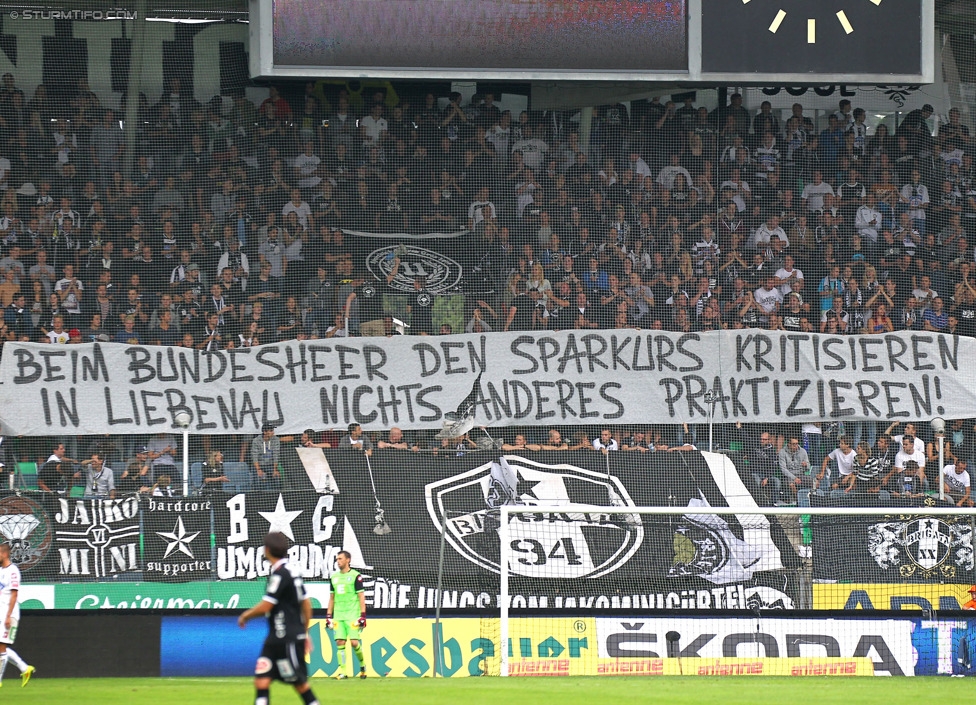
54	477
265	289
166	332
18	319
795	318
421	307
764	466
963	307
368	295
914	126
524	308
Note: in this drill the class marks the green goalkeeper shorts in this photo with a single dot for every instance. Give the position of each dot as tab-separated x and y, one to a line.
347	629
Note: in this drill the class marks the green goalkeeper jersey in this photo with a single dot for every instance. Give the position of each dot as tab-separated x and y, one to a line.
346	588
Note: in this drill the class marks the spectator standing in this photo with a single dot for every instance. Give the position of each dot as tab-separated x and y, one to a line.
265	454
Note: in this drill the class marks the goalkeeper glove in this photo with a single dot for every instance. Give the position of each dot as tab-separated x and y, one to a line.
361	622
329	624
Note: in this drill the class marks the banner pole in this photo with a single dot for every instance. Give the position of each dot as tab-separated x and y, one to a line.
186	462
711	400
504	537
941	465
438	635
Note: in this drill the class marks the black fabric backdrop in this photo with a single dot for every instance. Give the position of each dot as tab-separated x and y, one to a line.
893	549
683	561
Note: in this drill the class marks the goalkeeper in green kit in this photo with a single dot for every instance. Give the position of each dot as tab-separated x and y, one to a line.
347	612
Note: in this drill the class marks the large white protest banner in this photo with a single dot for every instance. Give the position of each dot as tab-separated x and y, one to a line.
529	378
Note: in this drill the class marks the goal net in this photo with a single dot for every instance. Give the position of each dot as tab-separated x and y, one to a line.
700	589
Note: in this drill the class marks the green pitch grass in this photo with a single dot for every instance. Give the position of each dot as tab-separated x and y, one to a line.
491	691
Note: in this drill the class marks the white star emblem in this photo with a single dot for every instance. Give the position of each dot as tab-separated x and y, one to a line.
178	539
280	519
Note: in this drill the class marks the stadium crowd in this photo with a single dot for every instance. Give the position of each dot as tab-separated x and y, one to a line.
778	463
240	222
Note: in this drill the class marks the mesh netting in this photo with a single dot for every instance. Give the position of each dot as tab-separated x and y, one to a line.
153	194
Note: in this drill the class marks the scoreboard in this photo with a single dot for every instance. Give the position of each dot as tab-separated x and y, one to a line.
741	41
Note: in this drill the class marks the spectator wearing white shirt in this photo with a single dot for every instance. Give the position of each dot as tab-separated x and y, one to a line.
844	115
70	290
373	129
58	334
532	148
843	455
499	136
909	452
736	189
639	167
814	192
666	177
868	220
910	430
956	481
788	275
766	233
481	212
306	167
924	292
605	441
299	206
768	297
915	196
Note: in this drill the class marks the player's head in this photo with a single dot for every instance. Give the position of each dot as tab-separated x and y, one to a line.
343	558
275	545
4	554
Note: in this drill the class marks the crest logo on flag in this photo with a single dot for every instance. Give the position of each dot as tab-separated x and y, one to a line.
545	544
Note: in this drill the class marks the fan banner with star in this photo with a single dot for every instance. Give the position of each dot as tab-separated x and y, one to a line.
708	561
176	539
896	549
562	560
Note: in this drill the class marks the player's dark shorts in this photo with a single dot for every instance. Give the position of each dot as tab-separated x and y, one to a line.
282	661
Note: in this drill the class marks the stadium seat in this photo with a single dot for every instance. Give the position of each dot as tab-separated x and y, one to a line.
196	477
27	475
77	491
239	475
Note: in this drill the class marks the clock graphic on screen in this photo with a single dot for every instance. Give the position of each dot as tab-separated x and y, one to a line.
832	40
811	22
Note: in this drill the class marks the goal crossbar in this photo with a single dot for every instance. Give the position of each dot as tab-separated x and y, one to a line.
505	534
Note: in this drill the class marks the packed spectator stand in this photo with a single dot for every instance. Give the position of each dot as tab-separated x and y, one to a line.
245	224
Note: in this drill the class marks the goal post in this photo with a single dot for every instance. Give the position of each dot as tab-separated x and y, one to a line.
834	546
